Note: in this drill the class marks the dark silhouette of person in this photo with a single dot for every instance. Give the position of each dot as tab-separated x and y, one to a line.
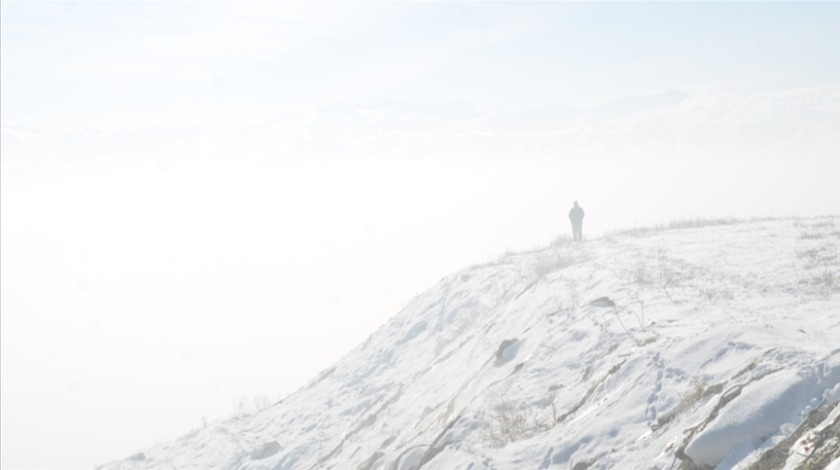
576	216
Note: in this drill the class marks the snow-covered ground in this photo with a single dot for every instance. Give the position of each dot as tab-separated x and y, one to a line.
716	345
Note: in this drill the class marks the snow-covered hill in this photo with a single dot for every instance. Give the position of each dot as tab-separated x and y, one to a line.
716	345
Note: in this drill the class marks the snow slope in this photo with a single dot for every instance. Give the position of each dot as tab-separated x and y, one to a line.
716	345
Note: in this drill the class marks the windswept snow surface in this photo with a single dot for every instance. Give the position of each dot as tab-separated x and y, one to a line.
704	346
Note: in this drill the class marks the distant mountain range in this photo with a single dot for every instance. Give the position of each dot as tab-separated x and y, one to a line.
670	124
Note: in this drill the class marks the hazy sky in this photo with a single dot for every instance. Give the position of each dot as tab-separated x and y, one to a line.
147	282
169	64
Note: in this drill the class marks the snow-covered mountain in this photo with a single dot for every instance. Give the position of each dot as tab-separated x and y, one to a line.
697	346
671	124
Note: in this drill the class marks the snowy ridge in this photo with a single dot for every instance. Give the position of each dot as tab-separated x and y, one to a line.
716	346
669	124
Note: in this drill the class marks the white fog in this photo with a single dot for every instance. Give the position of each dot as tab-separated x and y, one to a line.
207	203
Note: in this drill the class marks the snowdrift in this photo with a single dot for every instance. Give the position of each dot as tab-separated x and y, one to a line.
709	346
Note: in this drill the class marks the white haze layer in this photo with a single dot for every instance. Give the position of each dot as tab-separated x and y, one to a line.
143	293
205	202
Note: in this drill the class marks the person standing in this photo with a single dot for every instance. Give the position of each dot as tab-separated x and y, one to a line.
576	216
